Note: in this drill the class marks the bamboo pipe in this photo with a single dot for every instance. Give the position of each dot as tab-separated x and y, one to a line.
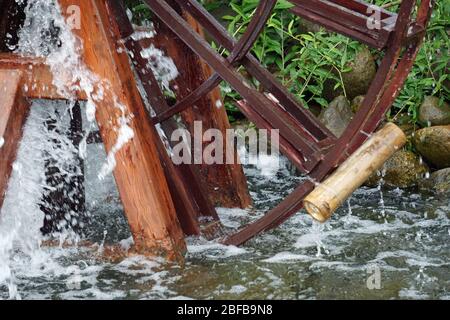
330	194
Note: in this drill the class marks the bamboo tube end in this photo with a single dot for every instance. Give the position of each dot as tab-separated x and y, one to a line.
318	213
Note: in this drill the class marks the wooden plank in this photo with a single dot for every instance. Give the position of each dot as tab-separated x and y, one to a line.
37	77
288	126
227	184
139	175
13	112
375	40
362	7
183	182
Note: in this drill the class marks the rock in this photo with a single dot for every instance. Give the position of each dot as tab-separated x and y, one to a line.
337	115
357	81
306	26
438	182
408	129
404	169
433	144
431	113
357	103
315	109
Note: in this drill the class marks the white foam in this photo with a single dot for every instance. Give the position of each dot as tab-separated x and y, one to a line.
212	248
289	257
162	66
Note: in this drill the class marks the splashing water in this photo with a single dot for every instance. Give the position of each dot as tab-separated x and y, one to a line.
45	34
300	260
162	66
380	189
21	217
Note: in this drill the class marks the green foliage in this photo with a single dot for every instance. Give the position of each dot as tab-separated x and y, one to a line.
141	12
304	61
430	74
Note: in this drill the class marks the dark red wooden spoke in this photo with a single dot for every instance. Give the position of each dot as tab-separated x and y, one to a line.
240	50
344	20
254	29
188	192
189	101
362	7
339	12
288	207
287	100
379	99
289	128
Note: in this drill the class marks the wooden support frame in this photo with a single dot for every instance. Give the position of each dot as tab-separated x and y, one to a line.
37	77
226	183
189	194
14	109
348	17
139	175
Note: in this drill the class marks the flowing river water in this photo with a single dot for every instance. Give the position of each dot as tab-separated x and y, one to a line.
394	248
388	244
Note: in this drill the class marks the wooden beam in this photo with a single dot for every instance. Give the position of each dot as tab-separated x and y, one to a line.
37	77
13	112
187	190
226	183
139	175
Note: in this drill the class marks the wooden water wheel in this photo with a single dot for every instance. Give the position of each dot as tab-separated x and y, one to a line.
310	146
162	201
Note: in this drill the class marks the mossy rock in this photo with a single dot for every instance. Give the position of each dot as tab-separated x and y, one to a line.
357	81
433	113
308	26
403	170
357	103
438	182
337	115
433	144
